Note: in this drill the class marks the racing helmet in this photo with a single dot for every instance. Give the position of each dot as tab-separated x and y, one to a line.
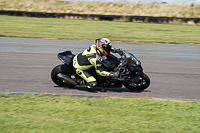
103	45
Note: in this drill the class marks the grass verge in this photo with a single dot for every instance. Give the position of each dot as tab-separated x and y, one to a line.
48	114
90	30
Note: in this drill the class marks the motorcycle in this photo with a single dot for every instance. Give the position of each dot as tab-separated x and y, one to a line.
131	72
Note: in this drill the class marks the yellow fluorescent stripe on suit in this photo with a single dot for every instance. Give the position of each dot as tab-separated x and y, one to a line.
76	65
88	58
101	73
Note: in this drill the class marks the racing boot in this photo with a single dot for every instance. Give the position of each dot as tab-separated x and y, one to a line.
91	84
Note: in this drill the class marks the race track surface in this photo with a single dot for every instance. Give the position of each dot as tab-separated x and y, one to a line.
26	64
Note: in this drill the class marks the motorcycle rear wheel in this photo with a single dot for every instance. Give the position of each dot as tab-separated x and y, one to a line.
61	69
140	86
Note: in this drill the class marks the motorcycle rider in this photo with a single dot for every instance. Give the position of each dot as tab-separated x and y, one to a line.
92	56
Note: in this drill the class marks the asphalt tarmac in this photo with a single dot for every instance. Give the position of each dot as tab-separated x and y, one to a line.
26	64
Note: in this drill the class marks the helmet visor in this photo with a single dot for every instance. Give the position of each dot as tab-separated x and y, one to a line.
107	48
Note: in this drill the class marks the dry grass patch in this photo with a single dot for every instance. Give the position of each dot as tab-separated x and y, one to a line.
112	8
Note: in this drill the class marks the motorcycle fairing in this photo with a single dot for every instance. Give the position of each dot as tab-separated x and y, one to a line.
66	57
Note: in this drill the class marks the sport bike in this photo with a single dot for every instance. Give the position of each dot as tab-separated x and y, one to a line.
130	69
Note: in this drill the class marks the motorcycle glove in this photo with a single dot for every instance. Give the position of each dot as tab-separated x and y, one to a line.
119	51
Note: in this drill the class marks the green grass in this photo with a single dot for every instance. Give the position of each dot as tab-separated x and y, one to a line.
48	114
90	30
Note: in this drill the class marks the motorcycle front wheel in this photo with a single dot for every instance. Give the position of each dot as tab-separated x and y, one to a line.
143	83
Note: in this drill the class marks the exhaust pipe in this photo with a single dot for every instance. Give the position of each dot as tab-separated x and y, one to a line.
66	78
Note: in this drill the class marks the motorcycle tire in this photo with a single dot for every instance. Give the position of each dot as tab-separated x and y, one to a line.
138	87
61	69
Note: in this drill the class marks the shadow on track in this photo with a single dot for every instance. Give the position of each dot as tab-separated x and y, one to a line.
103	89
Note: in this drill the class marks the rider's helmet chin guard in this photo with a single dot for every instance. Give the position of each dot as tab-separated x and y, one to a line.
103	45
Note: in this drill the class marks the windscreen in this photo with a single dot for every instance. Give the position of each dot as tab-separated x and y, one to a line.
130	58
